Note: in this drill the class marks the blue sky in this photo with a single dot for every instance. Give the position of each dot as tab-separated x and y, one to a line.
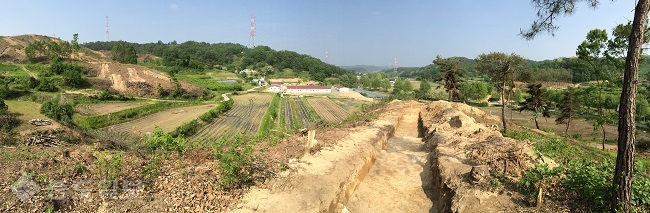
353	31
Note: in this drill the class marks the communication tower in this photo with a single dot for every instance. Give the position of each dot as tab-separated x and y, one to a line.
251	41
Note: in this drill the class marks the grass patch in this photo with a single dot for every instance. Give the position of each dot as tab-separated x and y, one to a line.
190	128
585	170
27	110
210	83
100	121
270	118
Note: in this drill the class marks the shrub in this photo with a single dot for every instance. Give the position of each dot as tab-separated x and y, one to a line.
591	181
58	112
190	128
46	85
269	118
235	158
109	166
165	141
535	177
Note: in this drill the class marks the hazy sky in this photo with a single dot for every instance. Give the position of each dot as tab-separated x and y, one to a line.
353	31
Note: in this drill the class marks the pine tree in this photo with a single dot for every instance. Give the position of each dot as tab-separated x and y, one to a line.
536	103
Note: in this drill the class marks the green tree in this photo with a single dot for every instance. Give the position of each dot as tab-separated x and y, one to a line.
124	53
75	42
476	90
73	78
425	89
500	68
402	88
568	108
3	106
451	74
536	103
592	51
548	11
642	108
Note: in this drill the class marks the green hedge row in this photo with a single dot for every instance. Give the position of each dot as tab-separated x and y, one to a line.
269	118
190	128
101	121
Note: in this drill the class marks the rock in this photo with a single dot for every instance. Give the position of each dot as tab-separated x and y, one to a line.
455	122
480	174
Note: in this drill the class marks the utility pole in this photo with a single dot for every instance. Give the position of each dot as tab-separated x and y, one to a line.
251	41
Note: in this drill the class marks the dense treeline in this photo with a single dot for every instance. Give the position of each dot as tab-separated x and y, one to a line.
202	55
556	70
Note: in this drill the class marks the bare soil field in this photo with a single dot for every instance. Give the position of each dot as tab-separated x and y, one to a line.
167	120
136	80
244	117
356	96
107	107
328	110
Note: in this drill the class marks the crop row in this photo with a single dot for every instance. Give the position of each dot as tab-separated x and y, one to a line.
328	110
244	118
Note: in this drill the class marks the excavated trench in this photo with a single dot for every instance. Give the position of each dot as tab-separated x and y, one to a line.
400	179
397	164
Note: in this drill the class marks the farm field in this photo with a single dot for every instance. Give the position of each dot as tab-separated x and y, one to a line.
244	117
28	110
167	120
348	104
296	113
106	107
328	110
578	126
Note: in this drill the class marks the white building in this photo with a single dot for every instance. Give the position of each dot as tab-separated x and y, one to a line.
342	89
308	89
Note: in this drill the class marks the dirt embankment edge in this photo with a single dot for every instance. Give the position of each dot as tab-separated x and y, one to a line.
460	138
325	181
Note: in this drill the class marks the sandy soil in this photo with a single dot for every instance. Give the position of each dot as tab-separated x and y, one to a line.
356	96
400	180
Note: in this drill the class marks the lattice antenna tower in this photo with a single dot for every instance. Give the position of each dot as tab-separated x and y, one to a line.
251	41
106	28
395	65
327	56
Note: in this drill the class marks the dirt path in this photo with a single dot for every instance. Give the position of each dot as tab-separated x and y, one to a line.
398	181
34	75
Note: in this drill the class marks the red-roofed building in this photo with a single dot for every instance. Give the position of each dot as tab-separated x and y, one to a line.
308	89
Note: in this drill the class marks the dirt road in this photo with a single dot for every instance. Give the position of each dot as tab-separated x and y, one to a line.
398	181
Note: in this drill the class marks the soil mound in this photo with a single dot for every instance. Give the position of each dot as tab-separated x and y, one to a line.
468	153
136	80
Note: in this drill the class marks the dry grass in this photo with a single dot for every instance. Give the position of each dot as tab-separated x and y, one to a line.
578	126
28	110
107	107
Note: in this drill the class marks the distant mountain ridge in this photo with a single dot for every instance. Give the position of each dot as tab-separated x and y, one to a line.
364	68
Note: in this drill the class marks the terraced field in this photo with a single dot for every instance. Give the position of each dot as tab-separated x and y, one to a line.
167	120
297	114
107	107
328	110
244	117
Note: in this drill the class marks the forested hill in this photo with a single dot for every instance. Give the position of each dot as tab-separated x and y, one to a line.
555	70
202	55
